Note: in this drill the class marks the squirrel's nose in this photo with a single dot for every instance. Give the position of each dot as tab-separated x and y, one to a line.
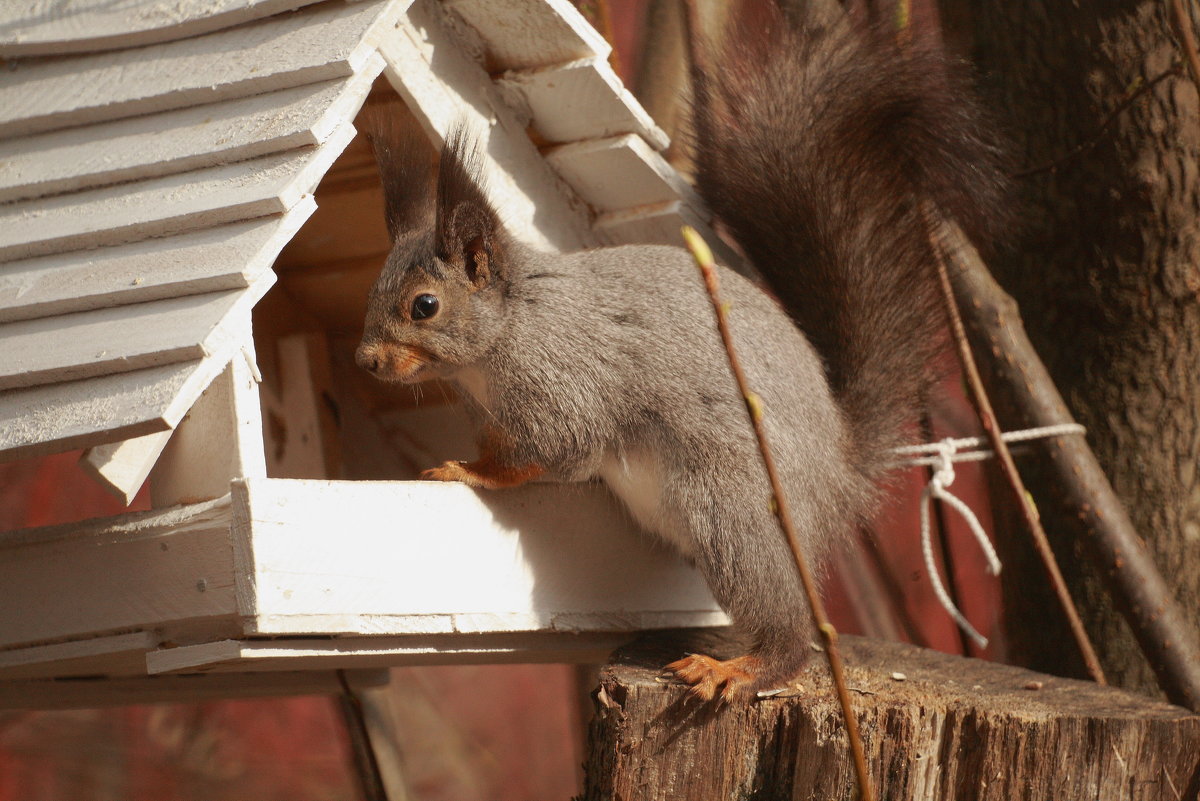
367	357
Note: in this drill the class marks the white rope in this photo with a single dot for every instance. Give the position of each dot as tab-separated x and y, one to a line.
943	456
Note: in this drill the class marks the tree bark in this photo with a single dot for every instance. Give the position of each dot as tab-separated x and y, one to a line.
1106	268
935	727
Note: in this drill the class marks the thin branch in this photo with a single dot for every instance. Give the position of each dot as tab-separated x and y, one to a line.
704	260
1088	144
1187	41
1018	376
992	429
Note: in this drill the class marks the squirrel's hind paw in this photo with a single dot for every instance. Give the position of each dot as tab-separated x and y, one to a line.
730	680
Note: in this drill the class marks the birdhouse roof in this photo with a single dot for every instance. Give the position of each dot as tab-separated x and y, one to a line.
154	161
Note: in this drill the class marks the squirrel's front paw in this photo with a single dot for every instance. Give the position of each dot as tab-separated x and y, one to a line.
485	473
450	471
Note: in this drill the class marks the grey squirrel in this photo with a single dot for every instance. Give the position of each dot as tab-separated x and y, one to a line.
820	153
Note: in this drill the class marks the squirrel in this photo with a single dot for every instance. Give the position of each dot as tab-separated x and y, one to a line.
821	154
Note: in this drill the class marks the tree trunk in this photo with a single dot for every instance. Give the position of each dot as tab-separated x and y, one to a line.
935	727
1105	265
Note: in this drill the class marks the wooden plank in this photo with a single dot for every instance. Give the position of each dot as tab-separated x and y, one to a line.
243	656
122	467
952	728
328	41
182	140
518	34
581	100
124	338
304	437
78	414
218	440
168	205
660	224
86	693
209	260
94	411
171	571
619	173
539	558
449	88
118	655
50	27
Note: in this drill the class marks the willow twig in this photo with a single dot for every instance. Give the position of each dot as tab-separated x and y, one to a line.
992	429
704	259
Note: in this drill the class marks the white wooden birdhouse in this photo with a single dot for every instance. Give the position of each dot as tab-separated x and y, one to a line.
188	228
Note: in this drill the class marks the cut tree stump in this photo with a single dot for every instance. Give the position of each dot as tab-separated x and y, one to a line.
934	726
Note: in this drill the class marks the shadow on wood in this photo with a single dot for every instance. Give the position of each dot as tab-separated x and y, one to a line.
951	728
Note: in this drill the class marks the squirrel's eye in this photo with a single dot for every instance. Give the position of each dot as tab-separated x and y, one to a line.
424	306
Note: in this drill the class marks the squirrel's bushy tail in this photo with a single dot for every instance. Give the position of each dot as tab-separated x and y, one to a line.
817	152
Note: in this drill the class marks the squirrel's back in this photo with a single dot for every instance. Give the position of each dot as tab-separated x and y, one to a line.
824	152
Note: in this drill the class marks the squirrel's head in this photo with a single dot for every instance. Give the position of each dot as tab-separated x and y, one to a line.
437	306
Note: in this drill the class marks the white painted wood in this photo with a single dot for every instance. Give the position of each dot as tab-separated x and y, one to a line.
661	224
619	173
76	414
182	140
81	693
581	100
122	467
209	260
297	445
332	40
220	439
118	655
171	571
168	205
382	652
55	27
124	338
519	34
354	558
442	86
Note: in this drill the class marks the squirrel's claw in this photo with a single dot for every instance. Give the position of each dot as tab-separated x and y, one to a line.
450	471
729	680
485	473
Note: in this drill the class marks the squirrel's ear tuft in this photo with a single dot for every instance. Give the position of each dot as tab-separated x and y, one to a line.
469	233
405	162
